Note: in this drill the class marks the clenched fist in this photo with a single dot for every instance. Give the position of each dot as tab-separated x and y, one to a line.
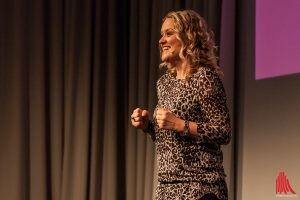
168	120
140	119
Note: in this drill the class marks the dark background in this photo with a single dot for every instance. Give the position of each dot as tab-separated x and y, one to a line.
72	71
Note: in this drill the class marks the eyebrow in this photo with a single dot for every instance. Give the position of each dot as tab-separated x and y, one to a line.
168	29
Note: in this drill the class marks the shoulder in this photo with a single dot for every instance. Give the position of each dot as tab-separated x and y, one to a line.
208	79
164	78
206	74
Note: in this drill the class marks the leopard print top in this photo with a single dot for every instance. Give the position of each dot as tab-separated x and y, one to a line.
200	99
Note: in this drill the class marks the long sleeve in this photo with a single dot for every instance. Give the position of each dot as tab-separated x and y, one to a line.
200	99
150	129
215	127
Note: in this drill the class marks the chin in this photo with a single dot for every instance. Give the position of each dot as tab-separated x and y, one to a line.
165	58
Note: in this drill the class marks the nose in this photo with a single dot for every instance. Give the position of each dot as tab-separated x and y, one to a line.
162	40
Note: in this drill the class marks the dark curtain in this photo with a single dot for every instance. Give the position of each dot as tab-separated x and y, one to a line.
71	72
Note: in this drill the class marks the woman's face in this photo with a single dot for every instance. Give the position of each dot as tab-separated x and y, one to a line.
169	44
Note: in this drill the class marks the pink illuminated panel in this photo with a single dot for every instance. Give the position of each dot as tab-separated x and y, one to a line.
277	38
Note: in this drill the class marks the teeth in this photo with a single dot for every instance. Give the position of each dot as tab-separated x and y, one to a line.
165	48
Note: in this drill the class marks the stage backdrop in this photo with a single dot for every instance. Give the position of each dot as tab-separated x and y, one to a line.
71	72
268	114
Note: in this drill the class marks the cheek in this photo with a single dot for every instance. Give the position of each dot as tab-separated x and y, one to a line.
177	48
176	44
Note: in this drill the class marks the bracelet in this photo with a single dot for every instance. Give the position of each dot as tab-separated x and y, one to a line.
186	128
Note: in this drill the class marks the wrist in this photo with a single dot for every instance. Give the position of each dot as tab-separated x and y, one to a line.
148	127
180	126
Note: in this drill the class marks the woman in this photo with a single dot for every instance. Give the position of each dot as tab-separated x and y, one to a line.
191	119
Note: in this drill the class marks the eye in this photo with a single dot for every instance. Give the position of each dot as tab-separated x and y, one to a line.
169	33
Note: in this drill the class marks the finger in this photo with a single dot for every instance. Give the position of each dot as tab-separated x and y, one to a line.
165	124
137	119
135	115
145	113
159	121
158	110
132	119
161	124
162	111
138	110
136	124
161	117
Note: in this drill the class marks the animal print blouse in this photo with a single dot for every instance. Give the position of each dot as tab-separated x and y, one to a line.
200	99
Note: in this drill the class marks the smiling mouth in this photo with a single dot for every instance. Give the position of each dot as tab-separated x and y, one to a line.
165	48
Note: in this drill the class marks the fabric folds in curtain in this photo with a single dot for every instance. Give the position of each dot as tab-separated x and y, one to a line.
71	73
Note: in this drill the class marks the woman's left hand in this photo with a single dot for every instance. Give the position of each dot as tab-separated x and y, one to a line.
168	120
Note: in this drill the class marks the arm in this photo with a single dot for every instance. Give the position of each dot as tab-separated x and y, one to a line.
216	126
150	129
140	120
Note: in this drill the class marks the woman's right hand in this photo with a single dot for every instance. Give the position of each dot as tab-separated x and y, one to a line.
140	118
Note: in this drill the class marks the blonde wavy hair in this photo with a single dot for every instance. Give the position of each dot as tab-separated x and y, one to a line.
198	44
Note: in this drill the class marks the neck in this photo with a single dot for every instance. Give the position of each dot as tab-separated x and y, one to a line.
182	70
